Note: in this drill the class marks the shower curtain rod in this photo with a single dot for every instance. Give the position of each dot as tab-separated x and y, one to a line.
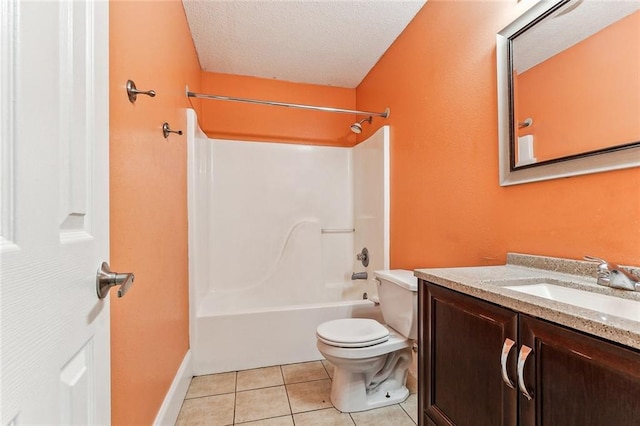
384	114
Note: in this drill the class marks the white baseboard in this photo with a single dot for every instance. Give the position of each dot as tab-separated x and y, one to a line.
168	413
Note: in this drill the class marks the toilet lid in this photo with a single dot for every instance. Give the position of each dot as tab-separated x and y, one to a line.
352	332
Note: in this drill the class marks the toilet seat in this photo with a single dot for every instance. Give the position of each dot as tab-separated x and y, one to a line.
352	333
353	345
394	343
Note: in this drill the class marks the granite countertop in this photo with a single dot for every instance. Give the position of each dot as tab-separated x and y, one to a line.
488	282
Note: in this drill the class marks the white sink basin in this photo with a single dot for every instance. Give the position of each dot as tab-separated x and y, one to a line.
602	303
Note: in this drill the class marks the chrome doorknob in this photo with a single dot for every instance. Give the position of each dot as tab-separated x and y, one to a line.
105	279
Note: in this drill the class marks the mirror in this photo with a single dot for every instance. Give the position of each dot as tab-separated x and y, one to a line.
569	90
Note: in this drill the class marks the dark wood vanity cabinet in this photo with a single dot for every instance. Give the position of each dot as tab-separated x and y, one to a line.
572	378
577	379
460	341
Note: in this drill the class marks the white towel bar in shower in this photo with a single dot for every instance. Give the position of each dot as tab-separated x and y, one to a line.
337	230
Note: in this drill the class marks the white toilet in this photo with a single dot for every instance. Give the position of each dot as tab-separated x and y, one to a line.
371	360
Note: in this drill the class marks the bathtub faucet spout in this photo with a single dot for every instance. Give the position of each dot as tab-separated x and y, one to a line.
359	276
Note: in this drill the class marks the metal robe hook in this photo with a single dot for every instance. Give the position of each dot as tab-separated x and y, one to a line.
133	92
526	123
166	130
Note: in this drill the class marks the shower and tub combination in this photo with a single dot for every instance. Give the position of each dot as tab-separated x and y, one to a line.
274	234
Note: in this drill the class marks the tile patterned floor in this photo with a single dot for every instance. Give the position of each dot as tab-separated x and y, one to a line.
285	395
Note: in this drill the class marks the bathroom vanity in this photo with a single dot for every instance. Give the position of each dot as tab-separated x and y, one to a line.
532	342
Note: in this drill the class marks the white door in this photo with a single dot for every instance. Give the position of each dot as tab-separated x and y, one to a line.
54	338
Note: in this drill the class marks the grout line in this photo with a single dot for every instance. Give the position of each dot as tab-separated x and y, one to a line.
235	398
406	412
288	399
304	362
261	387
265	418
281	374
308	381
208	396
265	387
325	367
352	419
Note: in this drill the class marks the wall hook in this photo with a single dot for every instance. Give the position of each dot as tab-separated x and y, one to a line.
166	130
526	123
133	92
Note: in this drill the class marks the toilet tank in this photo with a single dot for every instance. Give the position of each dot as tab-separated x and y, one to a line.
398	294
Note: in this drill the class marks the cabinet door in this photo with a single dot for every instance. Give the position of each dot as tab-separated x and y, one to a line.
462	343
577	379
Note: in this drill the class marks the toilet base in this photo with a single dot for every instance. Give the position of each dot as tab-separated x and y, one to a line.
354	399
369	377
354	389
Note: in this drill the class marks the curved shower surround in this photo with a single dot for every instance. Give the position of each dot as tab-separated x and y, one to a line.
271	246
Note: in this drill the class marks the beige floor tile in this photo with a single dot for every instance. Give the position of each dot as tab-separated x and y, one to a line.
212	384
274	421
307	396
329	367
326	417
385	416
412	384
411	406
295	373
259	378
207	411
261	404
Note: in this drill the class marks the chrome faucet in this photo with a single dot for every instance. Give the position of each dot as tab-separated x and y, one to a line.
359	276
612	275
363	257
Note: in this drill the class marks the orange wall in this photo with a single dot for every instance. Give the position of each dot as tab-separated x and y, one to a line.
150	44
586	97
447	209
232	120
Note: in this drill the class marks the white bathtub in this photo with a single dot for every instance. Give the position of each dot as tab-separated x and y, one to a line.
256	338
262	278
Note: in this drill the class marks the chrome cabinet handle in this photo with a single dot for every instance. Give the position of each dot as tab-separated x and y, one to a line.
506	348
525	351
105	279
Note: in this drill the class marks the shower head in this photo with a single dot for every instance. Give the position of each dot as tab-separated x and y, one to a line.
357	127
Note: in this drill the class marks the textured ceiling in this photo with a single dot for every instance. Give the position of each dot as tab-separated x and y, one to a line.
327	42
